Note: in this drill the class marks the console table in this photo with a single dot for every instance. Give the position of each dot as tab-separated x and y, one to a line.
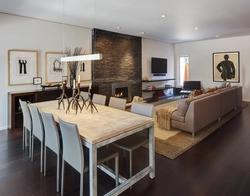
15	117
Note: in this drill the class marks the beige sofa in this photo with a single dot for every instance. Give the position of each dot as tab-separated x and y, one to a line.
193	114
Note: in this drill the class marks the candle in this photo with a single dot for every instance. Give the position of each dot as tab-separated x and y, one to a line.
89	85
79	79
74	84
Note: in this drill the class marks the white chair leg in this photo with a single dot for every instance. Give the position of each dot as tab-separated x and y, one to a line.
81	184
30	144
23	138
116	170
41	159
62	178
44	163
32	147
57	173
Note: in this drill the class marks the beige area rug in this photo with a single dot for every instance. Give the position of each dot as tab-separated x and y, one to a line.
174	142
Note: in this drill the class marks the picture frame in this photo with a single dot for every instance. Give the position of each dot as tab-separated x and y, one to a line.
22	66
37	80
54	69
229	59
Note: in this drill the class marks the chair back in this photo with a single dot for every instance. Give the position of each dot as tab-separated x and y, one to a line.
27	121
36	123
51	132
99	99
142	108
72	145
118	103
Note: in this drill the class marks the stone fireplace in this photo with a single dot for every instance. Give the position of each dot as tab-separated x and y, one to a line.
121	90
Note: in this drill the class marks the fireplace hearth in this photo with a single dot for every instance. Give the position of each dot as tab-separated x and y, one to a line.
121	90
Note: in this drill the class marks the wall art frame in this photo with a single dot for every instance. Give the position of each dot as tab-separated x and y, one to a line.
220	60
54	69
22	66
85	70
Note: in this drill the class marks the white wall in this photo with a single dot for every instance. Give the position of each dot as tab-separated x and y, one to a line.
29	34
150	49
201	60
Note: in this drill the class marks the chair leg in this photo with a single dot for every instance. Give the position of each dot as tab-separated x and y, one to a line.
41	159
44	161
30	144
57	172
23	138
32	147
62	178
81	184
116	170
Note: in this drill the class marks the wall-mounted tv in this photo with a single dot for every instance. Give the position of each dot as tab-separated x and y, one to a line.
159	66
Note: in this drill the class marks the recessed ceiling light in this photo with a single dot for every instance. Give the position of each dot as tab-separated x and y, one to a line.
119	27
142	33
196	28
216	35
163	15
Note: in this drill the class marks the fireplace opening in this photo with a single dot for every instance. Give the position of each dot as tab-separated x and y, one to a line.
122	90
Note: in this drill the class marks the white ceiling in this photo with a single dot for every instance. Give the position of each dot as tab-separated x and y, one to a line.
226	18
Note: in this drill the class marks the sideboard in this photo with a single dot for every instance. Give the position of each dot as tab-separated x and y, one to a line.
15	117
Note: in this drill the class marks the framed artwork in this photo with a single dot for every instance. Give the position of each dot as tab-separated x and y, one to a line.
37	80
22	67
226	65
84	70
54	68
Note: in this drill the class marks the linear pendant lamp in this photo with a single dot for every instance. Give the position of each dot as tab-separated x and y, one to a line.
87	57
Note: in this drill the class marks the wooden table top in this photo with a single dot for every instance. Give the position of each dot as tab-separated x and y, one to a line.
97	126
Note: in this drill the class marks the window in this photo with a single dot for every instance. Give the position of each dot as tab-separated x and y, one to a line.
184	73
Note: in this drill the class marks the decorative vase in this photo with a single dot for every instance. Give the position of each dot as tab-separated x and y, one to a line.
71	79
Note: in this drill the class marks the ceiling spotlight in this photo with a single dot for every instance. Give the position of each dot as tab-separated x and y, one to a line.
216	35
163	15
119	27
196	28
142	33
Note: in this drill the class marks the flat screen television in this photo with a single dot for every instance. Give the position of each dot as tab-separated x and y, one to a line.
159	66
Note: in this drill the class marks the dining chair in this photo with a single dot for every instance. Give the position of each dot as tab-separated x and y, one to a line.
118	103
72	143
27	124
136	140
52	141
37	132
99	99
85	95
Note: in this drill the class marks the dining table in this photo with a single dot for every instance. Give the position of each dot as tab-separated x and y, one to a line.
101	127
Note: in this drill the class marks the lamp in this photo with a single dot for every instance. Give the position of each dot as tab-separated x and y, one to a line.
88	57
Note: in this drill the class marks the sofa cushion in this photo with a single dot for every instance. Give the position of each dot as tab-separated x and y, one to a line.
177	117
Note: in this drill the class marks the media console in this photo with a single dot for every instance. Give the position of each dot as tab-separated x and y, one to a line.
158	92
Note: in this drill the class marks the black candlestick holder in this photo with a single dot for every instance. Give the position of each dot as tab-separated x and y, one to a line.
62	97
74	103
91	104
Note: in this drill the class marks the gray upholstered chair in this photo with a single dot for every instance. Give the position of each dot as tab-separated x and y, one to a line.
72	143
99	99
136	140
52	141
118	103
37	132
27	123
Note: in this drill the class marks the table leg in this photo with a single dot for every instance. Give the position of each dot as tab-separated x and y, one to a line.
93	170
152	151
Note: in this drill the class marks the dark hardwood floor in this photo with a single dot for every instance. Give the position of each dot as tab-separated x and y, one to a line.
218	165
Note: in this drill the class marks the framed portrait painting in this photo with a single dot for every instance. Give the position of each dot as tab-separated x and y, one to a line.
22	67
226	66
54	68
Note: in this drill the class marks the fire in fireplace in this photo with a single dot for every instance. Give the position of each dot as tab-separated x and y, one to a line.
122	90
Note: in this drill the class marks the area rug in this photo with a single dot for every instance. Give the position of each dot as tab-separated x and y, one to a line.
174	142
